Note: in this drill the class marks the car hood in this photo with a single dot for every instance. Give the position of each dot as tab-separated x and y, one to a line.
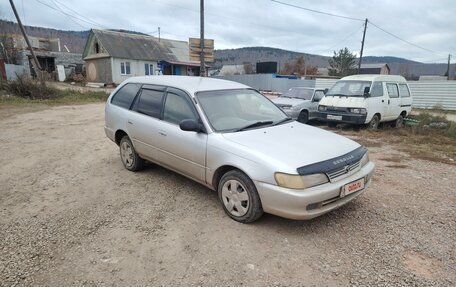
292	144
288	101
341	101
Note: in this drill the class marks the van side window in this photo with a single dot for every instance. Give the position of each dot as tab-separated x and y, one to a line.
150	103
376	89
177	109
404	90
393	92
125	96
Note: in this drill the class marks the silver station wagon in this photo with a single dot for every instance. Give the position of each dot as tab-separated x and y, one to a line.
230	138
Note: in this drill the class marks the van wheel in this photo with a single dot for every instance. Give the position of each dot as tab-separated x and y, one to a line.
399	123
128	155
239	197
303	117
373	124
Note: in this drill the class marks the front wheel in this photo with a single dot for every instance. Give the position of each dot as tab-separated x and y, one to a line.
303	117
373	124
239	197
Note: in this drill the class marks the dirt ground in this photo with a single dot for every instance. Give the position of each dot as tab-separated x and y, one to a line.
70	214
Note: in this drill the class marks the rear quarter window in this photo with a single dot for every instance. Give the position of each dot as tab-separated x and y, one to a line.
404	91
125	96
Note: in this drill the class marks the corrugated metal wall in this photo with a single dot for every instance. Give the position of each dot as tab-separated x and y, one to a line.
267	82
433	94
324	83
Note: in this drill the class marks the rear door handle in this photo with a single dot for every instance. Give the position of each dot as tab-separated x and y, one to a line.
130	122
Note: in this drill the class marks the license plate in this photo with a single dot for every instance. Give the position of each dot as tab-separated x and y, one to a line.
352	187
332	117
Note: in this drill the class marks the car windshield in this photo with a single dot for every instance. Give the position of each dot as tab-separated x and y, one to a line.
349	88
237	110
300	93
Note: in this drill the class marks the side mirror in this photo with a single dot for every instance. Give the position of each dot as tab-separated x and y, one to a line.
325	91
190	126
366	91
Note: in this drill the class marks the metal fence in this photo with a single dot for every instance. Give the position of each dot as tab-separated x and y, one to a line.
434	94
268	82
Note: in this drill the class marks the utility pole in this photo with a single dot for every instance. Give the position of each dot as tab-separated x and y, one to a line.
448	68
158	34
25	36
362	47
202	64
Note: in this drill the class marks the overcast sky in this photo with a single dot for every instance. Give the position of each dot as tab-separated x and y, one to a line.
429	24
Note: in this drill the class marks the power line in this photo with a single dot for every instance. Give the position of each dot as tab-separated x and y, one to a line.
67	14
316	11
403	40
74	11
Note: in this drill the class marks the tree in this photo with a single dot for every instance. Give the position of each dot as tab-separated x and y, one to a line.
342	63
298	67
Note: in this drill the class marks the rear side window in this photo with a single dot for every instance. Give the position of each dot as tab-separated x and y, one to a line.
125	96
403	89
392	90
150	103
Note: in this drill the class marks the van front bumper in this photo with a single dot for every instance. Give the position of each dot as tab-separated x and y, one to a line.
311	202
348	118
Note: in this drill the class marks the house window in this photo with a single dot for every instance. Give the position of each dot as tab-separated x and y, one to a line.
97	48
125	68
148	69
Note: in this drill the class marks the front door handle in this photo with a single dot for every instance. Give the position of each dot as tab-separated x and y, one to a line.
130	122
388	102
162	133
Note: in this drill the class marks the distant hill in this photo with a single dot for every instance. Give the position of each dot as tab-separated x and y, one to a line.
74	40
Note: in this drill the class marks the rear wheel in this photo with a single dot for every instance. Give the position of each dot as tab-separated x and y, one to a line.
128	155
303	117
239	197
373	124
399	123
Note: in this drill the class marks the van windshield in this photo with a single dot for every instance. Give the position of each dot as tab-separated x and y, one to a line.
349	88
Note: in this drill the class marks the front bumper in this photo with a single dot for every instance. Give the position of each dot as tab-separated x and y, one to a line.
311	202
348	118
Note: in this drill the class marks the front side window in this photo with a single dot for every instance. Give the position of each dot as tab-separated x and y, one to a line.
376	89
235	110
349	88
150	103
404	90
125	96
177	109
392	90
125	68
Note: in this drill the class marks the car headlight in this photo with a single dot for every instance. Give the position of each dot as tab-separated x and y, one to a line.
358	111
364	160
295	181
322	108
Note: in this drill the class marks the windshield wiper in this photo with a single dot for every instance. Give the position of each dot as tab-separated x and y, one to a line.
254	125
282	121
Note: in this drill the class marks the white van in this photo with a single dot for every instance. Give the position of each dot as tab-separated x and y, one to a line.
367	99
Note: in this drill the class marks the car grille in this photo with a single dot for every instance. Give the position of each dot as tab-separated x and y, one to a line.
337	109
344	170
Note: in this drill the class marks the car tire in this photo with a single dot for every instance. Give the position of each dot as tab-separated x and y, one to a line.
239	197
130	159
399	122
373	124
303	117
332	124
